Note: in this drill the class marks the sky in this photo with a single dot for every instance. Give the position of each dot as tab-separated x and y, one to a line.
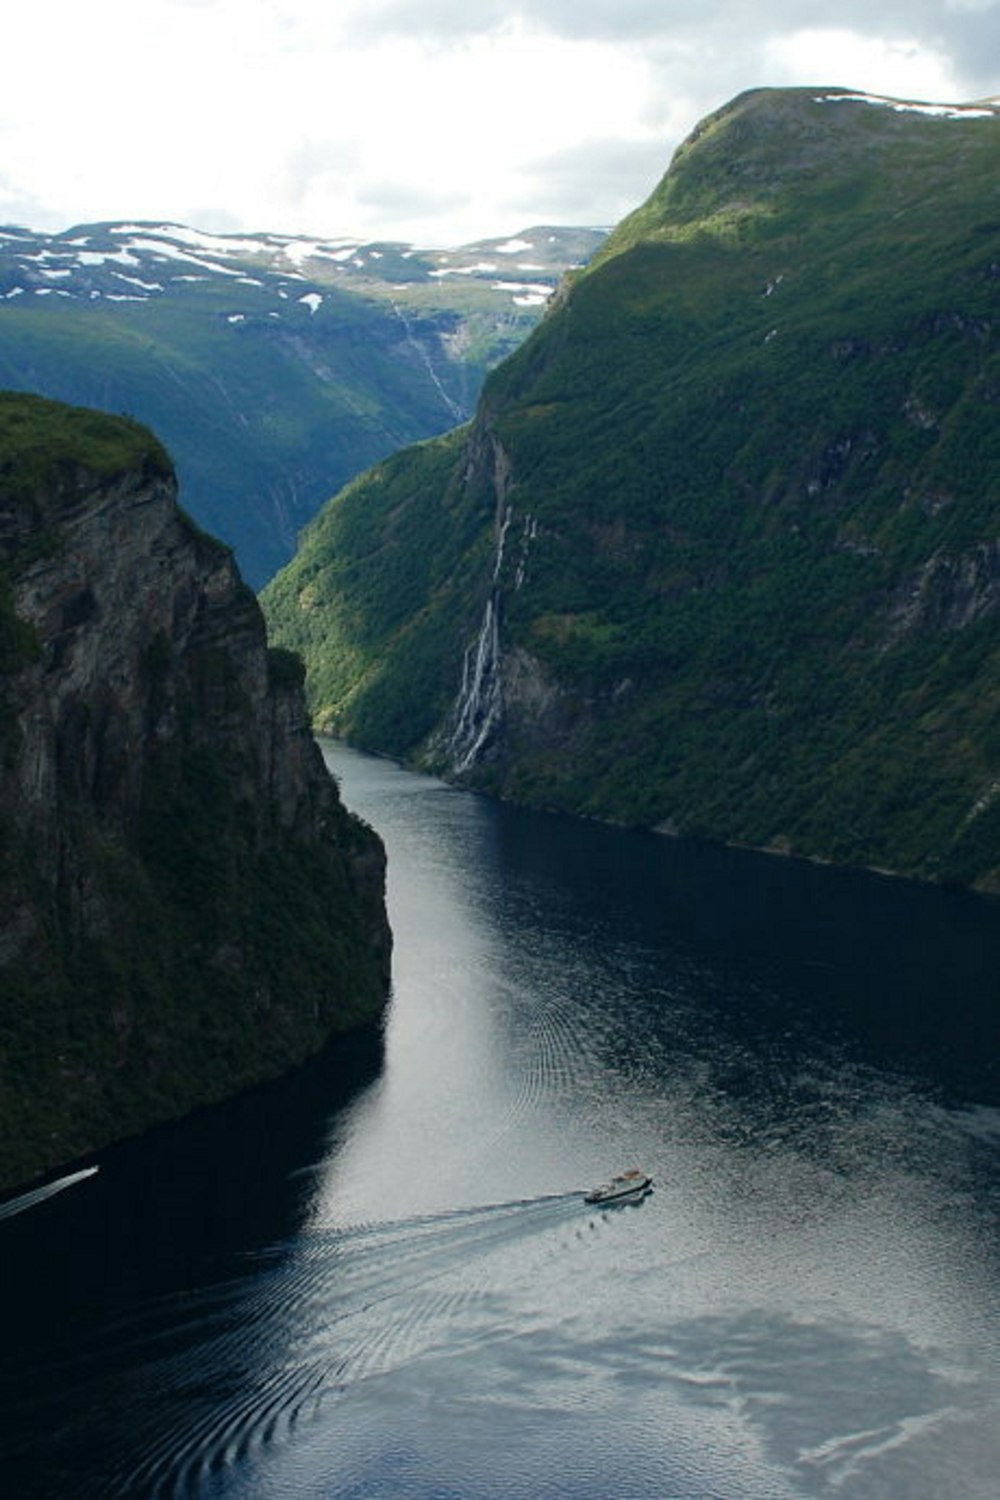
438	122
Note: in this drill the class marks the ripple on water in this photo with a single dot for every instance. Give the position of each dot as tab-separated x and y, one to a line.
311	1321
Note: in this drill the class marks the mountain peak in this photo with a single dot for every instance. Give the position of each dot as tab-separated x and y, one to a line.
784	155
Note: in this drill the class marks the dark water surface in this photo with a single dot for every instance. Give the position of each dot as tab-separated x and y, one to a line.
380	1280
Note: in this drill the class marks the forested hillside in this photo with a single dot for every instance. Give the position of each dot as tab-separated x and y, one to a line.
720	553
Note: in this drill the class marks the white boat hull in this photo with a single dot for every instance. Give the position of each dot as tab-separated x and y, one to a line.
627	1187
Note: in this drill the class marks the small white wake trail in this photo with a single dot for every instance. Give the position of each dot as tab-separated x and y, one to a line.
38	1195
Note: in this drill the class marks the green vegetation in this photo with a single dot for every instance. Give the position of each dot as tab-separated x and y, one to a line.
384	573
43	448
43	444
752	553
229	952
285	669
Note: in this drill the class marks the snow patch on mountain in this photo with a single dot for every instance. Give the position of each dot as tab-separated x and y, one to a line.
298	251
166	250
180	234
481	268
144	286
904	106
101	257
525	293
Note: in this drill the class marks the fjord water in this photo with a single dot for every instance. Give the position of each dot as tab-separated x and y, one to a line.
380	1279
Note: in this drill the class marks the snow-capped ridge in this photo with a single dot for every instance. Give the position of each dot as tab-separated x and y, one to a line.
290	275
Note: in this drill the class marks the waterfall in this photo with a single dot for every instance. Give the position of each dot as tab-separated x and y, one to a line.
480	698
479	706
457	413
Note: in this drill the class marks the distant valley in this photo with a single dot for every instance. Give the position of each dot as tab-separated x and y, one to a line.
274	367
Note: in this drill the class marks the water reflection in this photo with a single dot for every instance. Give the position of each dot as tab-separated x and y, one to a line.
785	1047
416	1303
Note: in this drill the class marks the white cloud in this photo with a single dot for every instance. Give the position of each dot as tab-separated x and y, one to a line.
432	120
904	67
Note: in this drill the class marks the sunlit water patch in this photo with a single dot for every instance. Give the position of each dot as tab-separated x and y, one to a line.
805	1308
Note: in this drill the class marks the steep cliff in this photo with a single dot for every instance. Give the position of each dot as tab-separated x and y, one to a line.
185	905
719	552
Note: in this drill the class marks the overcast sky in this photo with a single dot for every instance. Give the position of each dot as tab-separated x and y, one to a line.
434	121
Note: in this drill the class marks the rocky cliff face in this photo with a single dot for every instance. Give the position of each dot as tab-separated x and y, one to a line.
186	906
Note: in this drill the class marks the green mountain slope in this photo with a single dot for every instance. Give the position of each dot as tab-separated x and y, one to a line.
721	551
275	368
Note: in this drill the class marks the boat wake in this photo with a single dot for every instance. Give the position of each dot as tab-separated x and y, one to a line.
224	1379
39	1195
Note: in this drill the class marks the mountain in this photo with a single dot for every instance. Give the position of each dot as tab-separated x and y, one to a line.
274	367
720	553
185	905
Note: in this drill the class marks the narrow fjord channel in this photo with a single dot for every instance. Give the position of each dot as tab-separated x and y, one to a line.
380	1281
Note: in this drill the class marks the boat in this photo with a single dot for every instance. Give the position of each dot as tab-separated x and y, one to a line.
626	1187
